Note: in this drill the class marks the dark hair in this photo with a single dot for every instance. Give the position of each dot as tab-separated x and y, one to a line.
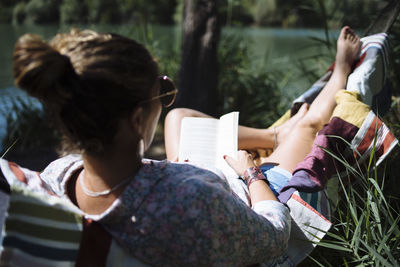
88	81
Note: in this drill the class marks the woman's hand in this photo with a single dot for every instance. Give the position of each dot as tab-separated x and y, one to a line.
242	163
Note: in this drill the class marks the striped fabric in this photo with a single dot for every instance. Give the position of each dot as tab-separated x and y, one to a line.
371	138
41	229
375	136
307	229
369	77
317	200
378	41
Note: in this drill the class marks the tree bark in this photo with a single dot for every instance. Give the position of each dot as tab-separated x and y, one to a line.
198	74
385	19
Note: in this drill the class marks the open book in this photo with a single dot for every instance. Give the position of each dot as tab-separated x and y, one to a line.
204	141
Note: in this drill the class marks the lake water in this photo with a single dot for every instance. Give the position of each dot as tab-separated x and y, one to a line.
278	48
274	49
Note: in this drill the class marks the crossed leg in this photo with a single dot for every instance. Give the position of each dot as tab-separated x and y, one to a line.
296	136
299	143
248	138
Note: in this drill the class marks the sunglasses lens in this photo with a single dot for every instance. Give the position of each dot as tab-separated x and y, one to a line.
166	90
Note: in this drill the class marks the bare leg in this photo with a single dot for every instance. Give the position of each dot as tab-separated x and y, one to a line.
299	143
252	138
248	138
172	129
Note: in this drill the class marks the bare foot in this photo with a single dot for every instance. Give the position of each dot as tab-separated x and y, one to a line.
348	50
284	130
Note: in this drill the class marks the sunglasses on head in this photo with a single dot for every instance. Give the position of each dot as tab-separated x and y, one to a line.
168	92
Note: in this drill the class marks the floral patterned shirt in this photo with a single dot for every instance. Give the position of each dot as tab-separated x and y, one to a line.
174	214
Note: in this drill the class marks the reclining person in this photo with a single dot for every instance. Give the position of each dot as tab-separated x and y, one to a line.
104	93
295	137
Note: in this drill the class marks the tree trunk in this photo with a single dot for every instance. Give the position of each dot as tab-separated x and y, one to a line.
385	19
198	74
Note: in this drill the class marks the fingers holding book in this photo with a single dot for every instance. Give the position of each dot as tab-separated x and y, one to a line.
243	161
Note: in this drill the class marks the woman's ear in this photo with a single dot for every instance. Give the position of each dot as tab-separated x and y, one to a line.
136	120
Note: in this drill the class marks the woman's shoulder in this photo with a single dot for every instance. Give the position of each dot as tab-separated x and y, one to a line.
56	174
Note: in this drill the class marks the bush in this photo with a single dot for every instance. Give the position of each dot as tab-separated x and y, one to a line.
73	11
245	85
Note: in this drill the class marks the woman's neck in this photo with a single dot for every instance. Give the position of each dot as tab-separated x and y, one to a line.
104	173
101	175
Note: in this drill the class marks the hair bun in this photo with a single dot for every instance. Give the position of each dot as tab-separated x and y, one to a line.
41	70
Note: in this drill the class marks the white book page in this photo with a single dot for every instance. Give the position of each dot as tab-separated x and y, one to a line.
227	143
198	141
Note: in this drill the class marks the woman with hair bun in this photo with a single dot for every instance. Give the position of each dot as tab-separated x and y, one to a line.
104	93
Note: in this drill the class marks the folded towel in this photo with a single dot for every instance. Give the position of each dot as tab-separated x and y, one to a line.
369	77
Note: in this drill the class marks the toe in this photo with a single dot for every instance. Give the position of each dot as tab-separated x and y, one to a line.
343	32
356	39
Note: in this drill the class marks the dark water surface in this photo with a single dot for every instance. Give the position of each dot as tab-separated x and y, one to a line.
275	48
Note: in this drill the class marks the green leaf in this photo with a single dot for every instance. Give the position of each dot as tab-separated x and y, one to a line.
378	189
335	247
376	254
357	235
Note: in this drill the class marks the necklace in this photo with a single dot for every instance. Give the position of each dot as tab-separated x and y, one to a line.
101	193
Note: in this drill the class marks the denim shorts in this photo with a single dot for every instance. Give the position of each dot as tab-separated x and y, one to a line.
276	176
